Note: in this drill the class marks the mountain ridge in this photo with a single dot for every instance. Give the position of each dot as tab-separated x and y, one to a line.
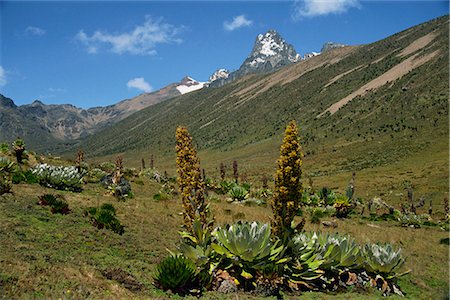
256	107
65	122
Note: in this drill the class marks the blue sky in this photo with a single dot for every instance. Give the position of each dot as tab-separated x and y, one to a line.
98	53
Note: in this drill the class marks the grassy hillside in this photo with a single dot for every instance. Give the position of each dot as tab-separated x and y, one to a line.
258	107
397	121
45	255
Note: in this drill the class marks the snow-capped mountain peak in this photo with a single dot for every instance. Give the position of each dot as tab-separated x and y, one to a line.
270	52
221	73
188	84
271	43
273	49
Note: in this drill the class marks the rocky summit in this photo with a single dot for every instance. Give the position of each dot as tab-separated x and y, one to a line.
331	45
270	52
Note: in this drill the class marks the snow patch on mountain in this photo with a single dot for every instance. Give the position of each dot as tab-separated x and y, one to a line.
221	73
189	84
311	54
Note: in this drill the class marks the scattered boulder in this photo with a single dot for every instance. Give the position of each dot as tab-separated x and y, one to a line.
332	224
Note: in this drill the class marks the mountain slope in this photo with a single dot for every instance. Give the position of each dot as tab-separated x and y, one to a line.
44	125
404	109
14	124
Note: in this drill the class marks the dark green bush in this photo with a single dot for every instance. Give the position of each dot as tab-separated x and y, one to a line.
176	273
105	217
56	202
24	176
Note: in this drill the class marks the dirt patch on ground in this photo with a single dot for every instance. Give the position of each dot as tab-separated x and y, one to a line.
124	278
418	44
336	78
392	74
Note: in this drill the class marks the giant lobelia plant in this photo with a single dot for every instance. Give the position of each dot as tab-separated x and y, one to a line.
190	182
288	187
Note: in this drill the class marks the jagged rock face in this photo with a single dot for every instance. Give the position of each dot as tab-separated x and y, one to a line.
219	74
330	45
270	52
6	102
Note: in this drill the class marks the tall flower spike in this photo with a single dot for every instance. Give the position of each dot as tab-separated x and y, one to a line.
190	183
288	187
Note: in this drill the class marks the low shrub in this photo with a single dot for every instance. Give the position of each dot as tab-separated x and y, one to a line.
107	167
24	176
238	193
154	175
343	206
4	148
56	202
6	169
95	175
105	217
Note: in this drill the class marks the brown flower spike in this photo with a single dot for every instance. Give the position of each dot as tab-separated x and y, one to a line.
190	183
288	187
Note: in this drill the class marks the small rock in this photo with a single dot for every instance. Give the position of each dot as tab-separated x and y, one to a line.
332	224
227	287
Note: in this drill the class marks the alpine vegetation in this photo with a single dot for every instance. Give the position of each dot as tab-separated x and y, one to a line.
60	178
190	181
288	187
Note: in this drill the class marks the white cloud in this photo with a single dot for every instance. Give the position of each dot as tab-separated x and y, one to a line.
57	90
35	31
313	8
2	76
238	22
140	84
142	40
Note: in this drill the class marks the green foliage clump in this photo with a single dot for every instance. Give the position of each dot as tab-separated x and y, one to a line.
6	169
410	219
238	193
225	186
24	176
105	217
56	202
190	181
343	206
288	186
60	178
18	149
245	248
327	196
317	213
107	167
161	196
94	175
154	175
177	274
384	260
4	148
249	242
